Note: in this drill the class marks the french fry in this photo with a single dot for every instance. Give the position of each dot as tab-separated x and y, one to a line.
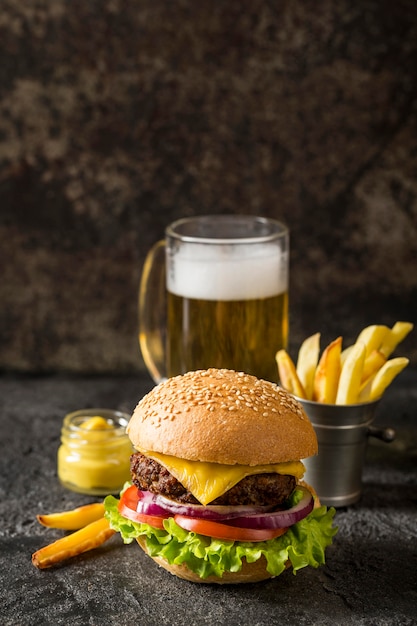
327	374
288	374
345	353
373	363
74	519
351	375
308	356
88	538
395	335
384	377
373	337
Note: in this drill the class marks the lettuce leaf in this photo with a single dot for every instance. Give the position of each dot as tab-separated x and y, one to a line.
303	544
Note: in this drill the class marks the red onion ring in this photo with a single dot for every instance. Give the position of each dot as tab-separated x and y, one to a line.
278	519
242	516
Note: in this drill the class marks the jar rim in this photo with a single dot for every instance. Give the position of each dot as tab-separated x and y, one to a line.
110	415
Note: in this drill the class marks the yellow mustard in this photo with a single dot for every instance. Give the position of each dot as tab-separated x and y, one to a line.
94	455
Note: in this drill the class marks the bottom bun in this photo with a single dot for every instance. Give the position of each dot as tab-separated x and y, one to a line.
249	573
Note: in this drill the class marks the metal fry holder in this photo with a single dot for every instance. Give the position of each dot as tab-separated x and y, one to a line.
342	433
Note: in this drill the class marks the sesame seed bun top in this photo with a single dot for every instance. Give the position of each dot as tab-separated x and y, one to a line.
222	416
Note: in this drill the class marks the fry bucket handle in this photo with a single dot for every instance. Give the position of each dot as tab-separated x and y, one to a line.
384	434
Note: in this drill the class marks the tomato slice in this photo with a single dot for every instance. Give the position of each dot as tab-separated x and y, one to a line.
218	530
127	507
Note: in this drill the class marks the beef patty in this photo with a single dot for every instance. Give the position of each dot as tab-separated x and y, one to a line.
256	489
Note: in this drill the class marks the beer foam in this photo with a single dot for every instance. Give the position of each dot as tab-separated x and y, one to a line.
227	272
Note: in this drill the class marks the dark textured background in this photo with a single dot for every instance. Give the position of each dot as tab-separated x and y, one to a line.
117	117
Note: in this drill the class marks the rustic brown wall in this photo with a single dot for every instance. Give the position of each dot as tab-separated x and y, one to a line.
117	117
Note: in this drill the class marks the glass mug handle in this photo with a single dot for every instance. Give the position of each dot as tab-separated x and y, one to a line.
152	312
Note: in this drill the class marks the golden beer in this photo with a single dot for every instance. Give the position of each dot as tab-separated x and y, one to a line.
215	294
243	335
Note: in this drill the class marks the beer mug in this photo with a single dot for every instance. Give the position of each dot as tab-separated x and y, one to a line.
214	293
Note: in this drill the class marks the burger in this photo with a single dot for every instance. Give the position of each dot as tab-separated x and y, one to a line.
216	492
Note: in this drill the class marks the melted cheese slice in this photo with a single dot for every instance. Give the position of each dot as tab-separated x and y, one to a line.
208	481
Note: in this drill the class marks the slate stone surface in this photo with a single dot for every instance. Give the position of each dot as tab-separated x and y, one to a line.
370	576
117	117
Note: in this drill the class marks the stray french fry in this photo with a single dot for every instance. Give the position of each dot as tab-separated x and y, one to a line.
351	375
326	378
308	356
395	335
288	374
74	519
384	377
373	363
87	538
373	336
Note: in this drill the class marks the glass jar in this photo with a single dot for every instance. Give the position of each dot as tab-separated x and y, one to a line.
94	456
